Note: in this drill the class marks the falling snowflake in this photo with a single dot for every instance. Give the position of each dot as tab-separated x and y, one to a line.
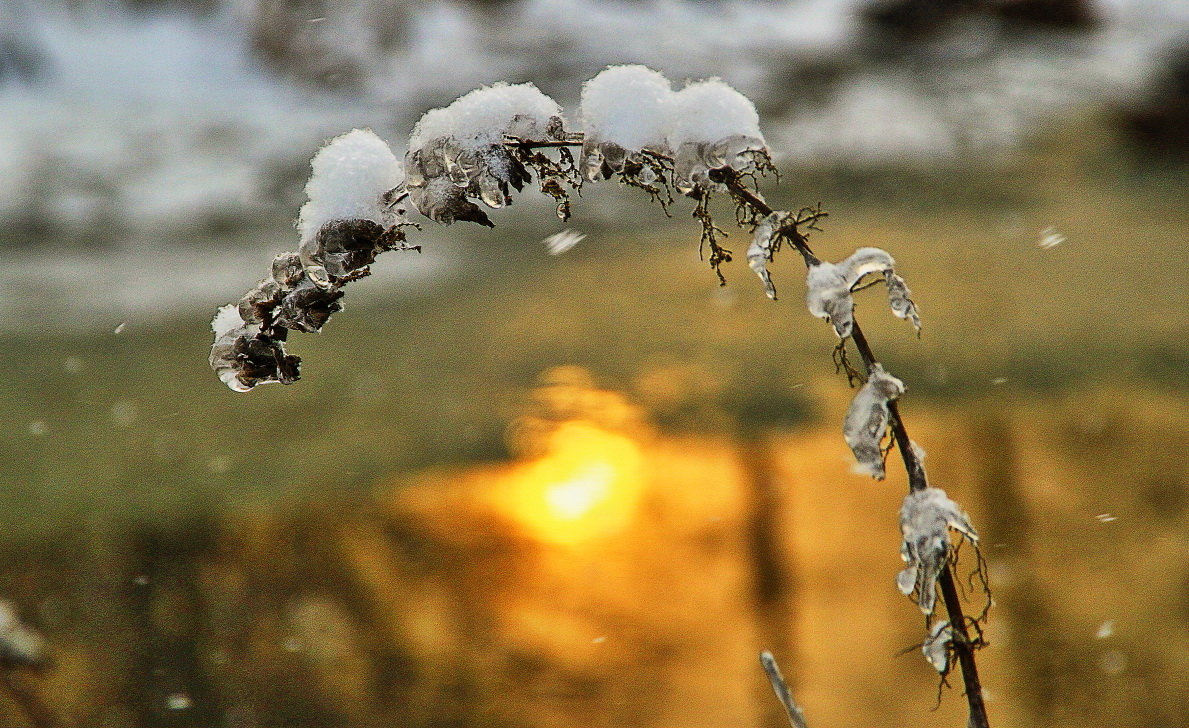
559	243
1049	238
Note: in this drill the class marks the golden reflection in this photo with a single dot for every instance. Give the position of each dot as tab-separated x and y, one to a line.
587	484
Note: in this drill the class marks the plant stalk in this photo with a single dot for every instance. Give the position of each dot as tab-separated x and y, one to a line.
963	646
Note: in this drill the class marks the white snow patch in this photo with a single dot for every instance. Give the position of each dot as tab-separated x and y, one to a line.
349	177
709	111
480	118
627	105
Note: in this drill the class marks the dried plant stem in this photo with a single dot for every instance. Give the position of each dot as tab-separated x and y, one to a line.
781	688
963	646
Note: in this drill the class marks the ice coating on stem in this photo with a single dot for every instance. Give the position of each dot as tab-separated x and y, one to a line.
712	126
867	420
925	519
759	253
457	154
831	285
936	647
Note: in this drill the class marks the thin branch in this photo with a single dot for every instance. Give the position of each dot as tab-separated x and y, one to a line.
781	688
964	647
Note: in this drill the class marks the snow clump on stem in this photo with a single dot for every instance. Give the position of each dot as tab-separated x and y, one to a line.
712	126
350	180
625	110
457	153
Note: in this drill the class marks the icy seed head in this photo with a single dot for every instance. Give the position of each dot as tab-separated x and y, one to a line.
830	287
348	180
457	153
867	420
627	105
936	647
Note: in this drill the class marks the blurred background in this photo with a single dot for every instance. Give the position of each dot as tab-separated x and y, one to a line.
516	489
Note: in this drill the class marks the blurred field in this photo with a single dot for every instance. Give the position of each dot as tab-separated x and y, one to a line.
336	552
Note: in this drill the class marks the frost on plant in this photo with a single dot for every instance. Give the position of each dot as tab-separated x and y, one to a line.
20	644
759	253
478	150
831	286
936	647
867	420
457	154
926	517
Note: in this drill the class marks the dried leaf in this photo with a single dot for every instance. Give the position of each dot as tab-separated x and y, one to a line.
867	420
830	288
925	519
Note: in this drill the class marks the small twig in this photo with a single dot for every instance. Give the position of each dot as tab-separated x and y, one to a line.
781	688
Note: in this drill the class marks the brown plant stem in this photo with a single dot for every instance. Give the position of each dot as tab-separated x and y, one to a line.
963	645
781	688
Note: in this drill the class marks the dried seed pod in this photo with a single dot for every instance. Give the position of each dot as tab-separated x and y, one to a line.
308	306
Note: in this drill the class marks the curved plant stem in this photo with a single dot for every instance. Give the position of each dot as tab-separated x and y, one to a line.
963	646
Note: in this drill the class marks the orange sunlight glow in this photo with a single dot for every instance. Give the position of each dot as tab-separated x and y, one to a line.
586	485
